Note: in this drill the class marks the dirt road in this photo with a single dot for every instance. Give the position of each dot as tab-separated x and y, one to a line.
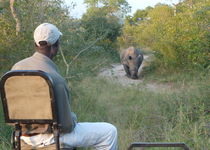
117	74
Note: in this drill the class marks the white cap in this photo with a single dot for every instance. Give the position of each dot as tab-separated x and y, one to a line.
46	32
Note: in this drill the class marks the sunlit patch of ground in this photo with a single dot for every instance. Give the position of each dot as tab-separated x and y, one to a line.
116	74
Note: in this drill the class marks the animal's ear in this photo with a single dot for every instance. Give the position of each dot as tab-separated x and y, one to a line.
122	55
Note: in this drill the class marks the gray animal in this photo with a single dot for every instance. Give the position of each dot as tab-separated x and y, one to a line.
131	60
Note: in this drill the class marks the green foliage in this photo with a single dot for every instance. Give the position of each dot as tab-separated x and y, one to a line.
15	47
5	133
112	5
75	37
138	16
179	37
104	19
99	24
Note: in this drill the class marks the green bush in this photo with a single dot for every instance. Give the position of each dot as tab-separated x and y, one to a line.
180	40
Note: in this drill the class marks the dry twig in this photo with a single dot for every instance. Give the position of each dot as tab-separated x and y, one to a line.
82	51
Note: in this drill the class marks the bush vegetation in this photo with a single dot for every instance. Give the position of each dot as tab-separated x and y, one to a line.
179	35
179	39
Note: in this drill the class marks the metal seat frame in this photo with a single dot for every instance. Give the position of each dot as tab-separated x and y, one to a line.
17	122
158	144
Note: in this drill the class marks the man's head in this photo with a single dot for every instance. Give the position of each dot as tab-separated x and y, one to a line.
46	37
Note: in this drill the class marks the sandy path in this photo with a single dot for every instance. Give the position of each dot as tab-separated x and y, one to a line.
117	74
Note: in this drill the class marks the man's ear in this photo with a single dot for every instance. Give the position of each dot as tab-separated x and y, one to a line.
53	51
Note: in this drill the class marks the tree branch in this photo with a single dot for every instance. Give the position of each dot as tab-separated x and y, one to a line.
75	57
82	51
15	16
64	60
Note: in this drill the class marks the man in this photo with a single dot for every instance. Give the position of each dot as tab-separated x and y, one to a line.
101	135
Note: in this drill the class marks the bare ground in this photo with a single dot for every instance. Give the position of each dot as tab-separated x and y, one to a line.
115	73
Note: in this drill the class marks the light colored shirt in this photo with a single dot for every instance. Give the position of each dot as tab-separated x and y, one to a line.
38	61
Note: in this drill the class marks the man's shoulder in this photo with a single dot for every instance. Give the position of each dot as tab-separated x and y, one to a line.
21	63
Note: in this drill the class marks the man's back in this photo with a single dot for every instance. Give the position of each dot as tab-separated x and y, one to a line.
40	62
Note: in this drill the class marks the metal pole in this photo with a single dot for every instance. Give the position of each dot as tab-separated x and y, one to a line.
153	144
17	144
56	135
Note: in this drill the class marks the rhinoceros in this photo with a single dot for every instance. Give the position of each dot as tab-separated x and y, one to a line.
131	59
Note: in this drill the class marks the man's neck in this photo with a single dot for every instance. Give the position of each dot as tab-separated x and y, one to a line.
46	53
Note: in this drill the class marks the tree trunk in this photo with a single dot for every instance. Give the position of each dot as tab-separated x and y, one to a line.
15	16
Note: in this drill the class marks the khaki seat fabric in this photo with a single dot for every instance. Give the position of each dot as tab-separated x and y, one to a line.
29	105
27	94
